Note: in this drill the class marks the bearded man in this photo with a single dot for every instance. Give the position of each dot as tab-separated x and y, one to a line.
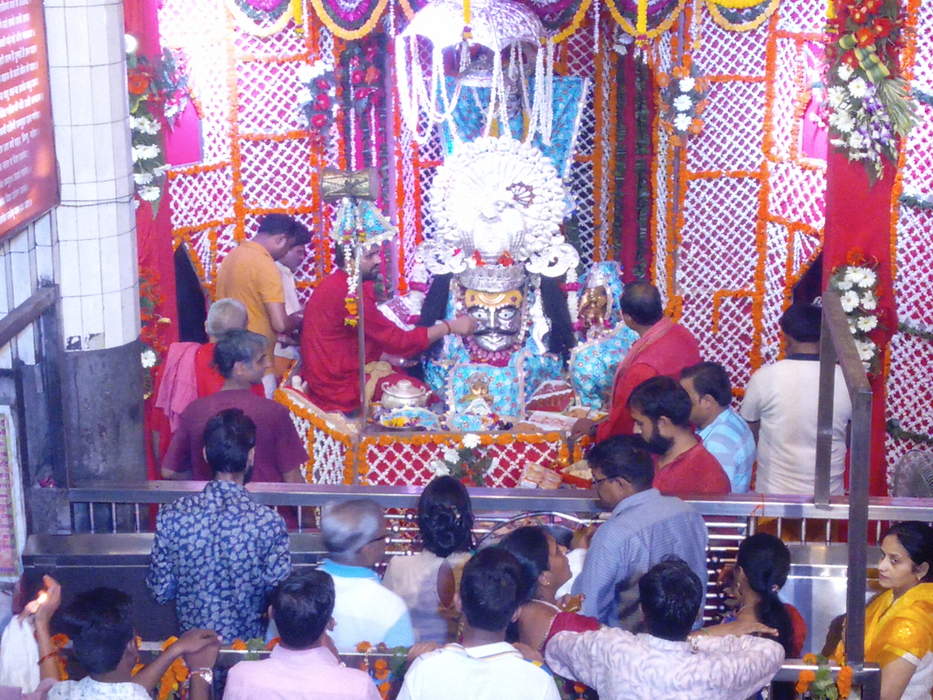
330	340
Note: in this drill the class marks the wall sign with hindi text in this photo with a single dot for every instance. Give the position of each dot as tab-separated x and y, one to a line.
28	175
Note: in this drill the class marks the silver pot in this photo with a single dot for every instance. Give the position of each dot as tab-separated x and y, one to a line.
403	394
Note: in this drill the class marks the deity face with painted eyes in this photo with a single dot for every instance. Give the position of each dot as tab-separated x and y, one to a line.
498	317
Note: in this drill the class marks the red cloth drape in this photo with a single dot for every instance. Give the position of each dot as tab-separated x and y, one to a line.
631	164
153	233
858	219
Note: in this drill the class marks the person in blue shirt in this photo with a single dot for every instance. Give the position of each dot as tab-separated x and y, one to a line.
725	434
219	554
354	535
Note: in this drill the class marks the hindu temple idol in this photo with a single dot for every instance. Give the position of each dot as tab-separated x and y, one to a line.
497	254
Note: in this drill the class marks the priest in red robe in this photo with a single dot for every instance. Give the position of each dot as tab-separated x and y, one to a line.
664	348
329	336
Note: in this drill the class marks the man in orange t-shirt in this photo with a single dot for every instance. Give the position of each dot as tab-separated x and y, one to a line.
661	409
250	275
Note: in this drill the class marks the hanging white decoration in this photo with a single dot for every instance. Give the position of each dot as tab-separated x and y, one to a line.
496	25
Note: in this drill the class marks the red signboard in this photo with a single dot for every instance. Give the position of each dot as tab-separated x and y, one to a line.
28	177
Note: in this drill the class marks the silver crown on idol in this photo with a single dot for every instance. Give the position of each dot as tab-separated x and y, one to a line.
492	197
493	278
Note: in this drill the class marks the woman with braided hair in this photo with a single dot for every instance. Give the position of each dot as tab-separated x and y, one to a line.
427	580
761	570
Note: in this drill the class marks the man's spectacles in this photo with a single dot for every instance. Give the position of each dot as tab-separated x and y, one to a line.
597	482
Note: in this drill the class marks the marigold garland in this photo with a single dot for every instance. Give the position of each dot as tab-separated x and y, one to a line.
301	408
820	683
175	675
59	642
575	23
715	12
640	29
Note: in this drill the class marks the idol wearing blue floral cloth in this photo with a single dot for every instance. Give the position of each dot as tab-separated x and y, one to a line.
603	339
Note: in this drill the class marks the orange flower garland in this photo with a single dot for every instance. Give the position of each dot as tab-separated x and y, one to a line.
175	675
60	641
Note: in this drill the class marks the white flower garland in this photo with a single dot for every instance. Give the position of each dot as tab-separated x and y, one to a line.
858	289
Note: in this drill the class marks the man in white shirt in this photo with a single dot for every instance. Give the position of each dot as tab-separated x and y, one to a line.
364	611
780	406
663	663
484	666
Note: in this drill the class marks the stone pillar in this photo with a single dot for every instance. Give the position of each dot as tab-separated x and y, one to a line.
96	261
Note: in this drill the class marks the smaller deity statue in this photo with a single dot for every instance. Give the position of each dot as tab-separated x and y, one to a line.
477	401
595	306
604	339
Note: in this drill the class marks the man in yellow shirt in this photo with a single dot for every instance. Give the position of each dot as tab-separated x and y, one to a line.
250	275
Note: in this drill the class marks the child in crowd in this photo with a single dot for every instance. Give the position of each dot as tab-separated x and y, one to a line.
484	666
104	645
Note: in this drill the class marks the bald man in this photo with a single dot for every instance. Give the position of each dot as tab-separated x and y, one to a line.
663	348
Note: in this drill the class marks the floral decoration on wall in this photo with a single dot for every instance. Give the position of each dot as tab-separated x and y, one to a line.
466	463
682	101
316	99
869	104
857	284
158	94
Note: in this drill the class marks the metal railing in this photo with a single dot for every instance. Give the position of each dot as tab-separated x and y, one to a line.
135	497
868	678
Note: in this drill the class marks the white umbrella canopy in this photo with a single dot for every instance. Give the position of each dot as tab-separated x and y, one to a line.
496	25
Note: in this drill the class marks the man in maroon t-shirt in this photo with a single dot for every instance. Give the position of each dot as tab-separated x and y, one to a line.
660	407
241	357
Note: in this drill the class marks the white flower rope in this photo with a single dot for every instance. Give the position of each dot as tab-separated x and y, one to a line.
858	293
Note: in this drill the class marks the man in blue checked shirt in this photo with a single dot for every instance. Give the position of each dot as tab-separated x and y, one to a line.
643	528
724	433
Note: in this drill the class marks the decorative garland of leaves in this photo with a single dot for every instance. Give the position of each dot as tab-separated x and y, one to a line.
898	433
640	93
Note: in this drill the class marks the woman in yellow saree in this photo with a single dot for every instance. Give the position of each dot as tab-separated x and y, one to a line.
899	622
